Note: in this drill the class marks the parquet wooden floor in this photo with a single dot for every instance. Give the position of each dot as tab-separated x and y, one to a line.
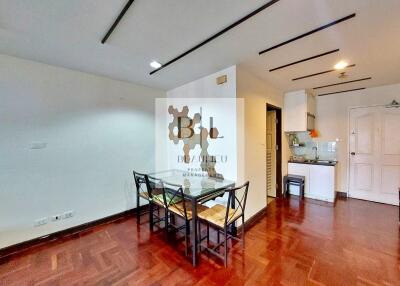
296	243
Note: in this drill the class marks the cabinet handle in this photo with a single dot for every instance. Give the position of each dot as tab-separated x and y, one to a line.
352	153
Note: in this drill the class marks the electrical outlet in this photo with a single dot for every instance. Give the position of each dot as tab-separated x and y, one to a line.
41	221
68	214
56	217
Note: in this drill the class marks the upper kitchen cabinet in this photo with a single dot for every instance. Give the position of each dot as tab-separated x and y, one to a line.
299	111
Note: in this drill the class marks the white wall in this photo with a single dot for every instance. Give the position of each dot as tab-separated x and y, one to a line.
333	116
252	95
217	101
206	87
252	162
97	130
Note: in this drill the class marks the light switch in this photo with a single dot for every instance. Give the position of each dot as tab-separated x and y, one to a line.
38	145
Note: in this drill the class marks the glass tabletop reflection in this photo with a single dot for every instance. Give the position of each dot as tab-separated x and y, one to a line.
195	185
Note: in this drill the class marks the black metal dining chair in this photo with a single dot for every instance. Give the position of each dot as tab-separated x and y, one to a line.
155	188
176	205
221	218
141	192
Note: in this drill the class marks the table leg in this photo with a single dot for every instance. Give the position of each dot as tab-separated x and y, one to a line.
151	219
233	227
193	232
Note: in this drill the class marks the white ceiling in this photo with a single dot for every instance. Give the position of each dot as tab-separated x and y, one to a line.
68	32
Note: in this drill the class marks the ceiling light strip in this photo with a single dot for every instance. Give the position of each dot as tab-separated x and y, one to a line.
304	60
309	33
319	73
114	25
323	94
248	16
345	82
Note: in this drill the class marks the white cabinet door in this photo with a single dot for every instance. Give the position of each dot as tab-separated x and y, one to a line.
300	170
322	183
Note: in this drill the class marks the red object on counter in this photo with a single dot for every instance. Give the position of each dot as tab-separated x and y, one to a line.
313	133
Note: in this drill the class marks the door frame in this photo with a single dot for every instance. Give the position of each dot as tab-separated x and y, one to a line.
270	107
348	139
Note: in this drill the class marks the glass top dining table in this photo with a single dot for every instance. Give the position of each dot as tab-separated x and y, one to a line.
196	187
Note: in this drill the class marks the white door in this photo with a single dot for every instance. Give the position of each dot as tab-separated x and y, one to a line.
375	154
271	153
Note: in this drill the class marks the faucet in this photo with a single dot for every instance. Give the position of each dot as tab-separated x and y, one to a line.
315	148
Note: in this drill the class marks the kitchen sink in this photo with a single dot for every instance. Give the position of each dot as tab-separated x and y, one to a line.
319	161
324	161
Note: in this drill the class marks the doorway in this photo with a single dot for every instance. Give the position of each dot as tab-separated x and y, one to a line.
374	159
273	152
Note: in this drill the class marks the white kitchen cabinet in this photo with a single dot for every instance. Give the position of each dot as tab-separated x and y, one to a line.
322	183
319	181
298	105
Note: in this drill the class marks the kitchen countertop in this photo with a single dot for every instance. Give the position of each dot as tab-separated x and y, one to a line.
311	162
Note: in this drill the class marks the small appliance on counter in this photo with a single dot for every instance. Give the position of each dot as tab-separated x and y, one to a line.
295	158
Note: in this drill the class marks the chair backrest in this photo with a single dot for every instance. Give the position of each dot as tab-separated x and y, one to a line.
167	194
174	198
155	187
238	196
140	182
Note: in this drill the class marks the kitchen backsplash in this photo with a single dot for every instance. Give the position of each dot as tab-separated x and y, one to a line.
326	150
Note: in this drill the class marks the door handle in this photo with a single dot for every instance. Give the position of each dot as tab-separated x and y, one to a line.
352	153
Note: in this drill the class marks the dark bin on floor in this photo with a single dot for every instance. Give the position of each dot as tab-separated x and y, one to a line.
294	180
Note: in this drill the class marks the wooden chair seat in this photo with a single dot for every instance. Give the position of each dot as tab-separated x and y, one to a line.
216	215
178	209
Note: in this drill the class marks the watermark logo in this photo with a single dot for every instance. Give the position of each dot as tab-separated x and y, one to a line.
182	129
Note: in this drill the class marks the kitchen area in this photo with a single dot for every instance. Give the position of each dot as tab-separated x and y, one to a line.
311	158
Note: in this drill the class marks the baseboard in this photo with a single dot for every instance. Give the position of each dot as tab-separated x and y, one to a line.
18	248
253	219
341	195
12	250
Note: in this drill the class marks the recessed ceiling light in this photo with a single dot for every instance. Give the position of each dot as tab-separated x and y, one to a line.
341	65
155	64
